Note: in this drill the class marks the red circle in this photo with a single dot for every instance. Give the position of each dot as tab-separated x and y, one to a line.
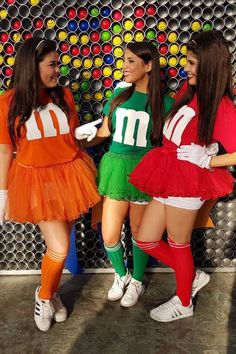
105	24
96	73
38	23
82	13
107	82
96	49
117	15
16	24
64	46
172	72
9	49
4	37
94	36
71	12
27	35
107	48
151	10
161	37
139	24
74	50
8	71
85	50
163	49
10	2
139	11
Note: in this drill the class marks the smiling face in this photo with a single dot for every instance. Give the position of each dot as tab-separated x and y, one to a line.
49	70
191	68
135	70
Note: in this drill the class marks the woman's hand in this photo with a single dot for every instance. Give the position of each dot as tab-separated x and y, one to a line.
197	154
87	131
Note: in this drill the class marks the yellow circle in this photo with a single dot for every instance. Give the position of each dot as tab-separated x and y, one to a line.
117	40
118	52
73	39
128	37
74	86
183	49
128	24
174	49
183	61
106	71
87	96
62	35
172	37
1	59
65	58
98	96
97	61
87	63
117	74
10	61
1	48
77	107
34	2
196	25
3	14
139	36
162	61
88	117
86	74
76	63
172	61
16	37
119	63
50	23
162	25
84	39
8	82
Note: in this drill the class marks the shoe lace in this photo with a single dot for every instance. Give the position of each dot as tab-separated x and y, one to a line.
131	290
170	305
57	303
45	309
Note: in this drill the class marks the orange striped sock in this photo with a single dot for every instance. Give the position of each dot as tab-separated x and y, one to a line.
51	271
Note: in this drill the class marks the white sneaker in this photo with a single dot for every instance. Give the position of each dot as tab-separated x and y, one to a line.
43	312
60	313
118	287
134	290
201	279
172	310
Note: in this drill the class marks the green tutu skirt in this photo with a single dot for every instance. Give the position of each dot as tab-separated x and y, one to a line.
113	175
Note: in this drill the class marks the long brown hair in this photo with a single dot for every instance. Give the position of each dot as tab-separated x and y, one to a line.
214	80
148	53
25	83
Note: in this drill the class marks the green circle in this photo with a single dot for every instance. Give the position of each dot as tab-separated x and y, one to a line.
94	12
108	93
116	28
105	36
1	91
207	27
150	34
64	70
76	97
84	85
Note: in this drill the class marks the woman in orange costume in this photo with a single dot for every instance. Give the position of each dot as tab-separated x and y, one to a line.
51	182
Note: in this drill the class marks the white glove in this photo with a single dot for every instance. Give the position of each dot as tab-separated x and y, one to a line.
3	199
212	149
195	154
87	131
122	84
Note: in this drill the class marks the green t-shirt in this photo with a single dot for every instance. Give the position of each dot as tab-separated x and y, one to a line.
131	124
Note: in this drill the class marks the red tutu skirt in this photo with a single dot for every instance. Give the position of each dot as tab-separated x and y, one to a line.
61	192
161	174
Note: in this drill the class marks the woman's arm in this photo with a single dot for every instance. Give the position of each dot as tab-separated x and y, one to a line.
6	157
223	160
102	133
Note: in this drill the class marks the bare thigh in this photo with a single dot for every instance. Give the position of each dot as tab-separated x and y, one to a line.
136	215
56	235
114	213
180	223
153	222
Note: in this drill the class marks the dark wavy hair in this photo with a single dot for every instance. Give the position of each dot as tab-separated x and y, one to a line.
214	80
147	52
25	83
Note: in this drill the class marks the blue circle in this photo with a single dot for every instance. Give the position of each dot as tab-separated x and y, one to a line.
72	25
182	73
108	59
83	25
105	11
94	23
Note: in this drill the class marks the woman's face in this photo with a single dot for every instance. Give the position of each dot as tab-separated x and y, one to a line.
191	68
134	68
49	70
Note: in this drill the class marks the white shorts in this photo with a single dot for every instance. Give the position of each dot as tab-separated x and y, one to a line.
140	203
180	202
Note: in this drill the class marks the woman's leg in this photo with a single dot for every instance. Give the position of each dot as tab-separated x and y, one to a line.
113	215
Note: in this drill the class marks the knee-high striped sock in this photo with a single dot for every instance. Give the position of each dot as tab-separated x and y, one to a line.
116	256
51	271
140	259
184	269
159	250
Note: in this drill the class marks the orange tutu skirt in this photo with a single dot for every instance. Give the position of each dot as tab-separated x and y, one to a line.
61	192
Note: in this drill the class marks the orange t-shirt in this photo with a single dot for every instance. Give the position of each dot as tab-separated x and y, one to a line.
49	136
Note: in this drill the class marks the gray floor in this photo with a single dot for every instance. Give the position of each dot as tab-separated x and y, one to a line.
96	326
